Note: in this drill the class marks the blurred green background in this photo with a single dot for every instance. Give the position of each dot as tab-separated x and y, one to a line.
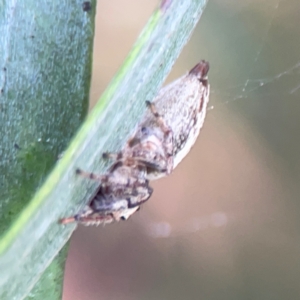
225	224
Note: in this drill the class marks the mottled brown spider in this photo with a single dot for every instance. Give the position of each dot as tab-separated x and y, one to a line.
164	136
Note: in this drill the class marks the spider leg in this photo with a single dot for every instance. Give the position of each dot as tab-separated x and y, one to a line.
165	128
92	176
113	156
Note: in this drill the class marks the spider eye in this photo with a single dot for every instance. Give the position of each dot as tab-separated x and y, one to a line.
123	218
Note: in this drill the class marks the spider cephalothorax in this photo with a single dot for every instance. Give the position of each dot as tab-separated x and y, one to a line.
123	189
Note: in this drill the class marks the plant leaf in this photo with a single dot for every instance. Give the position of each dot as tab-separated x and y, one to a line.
46	50
49	286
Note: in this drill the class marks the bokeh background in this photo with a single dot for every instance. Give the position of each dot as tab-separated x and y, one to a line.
226	223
